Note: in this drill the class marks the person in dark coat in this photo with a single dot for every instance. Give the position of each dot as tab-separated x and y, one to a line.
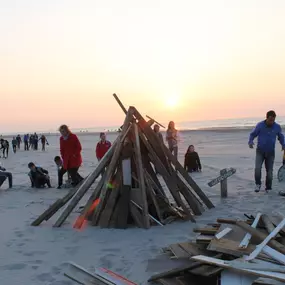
39	177
14	144
192	161
156	129
4	175
44	142
4	146
19	141
70	150
26	141
61	171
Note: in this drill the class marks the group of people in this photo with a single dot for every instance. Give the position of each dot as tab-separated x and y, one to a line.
191	159
30	142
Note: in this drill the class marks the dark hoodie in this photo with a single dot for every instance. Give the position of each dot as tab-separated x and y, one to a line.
192	162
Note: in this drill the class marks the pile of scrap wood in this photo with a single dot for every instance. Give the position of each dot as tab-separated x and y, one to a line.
99	276
129	191
231	252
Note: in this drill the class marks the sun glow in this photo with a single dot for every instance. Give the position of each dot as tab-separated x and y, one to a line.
172	102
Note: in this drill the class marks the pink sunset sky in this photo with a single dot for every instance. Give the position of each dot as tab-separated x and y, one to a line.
61	61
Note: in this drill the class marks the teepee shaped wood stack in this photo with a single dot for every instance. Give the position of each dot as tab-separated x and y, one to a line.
129	191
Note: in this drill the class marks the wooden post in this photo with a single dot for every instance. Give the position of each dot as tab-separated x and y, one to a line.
86	185
141	177
224	185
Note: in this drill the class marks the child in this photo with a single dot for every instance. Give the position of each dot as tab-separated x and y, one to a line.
39	176
14	144
102	146
61	171
192	160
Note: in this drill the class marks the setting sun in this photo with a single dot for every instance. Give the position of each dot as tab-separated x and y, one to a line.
171	102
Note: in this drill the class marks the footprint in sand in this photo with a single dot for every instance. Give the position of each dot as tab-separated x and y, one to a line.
71	249
19	234
16	266
105	261
45	277
36	252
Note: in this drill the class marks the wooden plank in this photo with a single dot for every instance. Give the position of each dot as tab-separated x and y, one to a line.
267	281
274	254
155	121
223	233
141	178
227	265
123	204
224	183
153	197
86	210
86	185
229	277
205	231
111	168
259	247
244	243
192	249
231	247
188	179
172	186
136	215
178	251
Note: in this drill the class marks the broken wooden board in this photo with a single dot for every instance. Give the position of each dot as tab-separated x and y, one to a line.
267	281
228	277
227	265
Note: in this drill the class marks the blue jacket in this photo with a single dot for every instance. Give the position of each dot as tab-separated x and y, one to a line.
267	136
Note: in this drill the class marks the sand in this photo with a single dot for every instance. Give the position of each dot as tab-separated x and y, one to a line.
38	255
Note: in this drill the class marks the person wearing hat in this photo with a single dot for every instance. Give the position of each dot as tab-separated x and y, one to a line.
102	146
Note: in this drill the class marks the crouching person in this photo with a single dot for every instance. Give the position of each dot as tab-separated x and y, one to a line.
39	176
4	175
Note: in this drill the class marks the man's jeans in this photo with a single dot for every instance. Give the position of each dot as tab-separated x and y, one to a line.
268	158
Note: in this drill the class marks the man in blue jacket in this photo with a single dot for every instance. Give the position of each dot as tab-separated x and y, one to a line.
266	131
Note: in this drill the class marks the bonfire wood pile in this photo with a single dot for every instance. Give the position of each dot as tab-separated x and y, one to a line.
129	191
230	252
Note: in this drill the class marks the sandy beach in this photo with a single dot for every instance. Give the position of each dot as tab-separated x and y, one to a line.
38	255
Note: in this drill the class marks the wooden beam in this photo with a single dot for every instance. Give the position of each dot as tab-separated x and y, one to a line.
86	185
155	121
112	166
141	177
120	103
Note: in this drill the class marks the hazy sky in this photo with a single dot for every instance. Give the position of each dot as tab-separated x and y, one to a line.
61	60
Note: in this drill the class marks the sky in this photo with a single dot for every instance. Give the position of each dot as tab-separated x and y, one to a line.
182	60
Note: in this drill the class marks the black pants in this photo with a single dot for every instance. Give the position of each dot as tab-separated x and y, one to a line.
3	176
26	145
14	148
75	176
5	152
60	173
35	145
43	146
40	182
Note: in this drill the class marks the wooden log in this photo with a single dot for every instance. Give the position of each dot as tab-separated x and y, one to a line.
224	185
268	224
261	236
155	121
47	214
86	185
150	122
153	198
112	199
120	103
141	178
111	168
188	178
86	210
136	215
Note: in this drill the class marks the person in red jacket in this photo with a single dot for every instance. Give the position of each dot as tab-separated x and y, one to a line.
70	150
102	146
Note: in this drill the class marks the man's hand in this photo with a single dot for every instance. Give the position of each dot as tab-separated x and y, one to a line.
250	145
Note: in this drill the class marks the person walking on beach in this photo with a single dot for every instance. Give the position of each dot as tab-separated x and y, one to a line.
156	129
192	161
14	144
70	149
266	131
36	141
4	146
19	141
172	138
26	141
31	142
44	142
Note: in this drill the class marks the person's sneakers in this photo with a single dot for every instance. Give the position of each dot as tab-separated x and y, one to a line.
58	187
282	193
257	188
267	189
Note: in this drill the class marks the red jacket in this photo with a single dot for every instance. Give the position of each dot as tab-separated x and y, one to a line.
70	150
102	148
